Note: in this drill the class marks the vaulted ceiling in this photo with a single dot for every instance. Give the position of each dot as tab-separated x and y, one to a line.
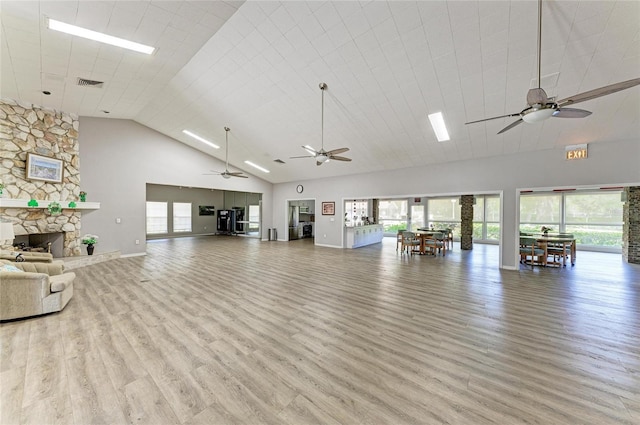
255	67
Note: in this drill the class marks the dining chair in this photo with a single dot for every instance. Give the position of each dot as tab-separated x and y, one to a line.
437	243
559	250
399	238
410	243
531	250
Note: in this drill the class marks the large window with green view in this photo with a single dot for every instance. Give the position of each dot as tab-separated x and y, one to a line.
594	218
444	213
486	218
392	214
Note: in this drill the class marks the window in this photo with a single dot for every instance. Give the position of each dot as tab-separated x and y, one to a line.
593	217
254	218
355	211
444	213
486	218
417	217
157	218
393	215
540	210
181	217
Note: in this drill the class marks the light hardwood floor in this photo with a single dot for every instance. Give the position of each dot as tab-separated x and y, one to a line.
230	330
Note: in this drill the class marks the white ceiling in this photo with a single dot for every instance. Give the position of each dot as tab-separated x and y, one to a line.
256	66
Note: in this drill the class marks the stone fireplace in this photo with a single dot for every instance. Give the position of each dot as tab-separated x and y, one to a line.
27	128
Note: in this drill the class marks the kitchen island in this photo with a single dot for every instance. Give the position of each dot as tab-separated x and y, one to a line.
357	236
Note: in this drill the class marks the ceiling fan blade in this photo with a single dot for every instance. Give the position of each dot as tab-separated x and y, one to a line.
235	173
494	118
310	150
571	113
602	91
510	126
339	158
238	175
337	151
305	156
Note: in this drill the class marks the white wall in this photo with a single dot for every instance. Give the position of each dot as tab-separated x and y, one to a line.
613	163
119	157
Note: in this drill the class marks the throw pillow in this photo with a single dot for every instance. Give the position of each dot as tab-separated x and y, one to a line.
10	268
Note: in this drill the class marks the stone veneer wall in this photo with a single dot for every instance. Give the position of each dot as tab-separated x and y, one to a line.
466	225
29	128
631	226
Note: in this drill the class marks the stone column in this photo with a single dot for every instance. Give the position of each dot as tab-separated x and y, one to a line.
631	226
466	226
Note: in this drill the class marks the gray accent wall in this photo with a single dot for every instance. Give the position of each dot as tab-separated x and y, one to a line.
118	158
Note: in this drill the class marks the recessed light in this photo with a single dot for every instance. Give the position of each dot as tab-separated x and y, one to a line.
46	92
100	37
437	123
202	139
264	170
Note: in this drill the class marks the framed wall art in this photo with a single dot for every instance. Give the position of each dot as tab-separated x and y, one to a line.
44	168
328	208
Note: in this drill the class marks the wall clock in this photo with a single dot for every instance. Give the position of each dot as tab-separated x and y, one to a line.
299	188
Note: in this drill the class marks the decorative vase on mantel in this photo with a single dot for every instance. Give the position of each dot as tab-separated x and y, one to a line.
83	196
90	249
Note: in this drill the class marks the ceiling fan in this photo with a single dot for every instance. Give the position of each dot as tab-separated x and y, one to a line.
226	173
321	155
540	107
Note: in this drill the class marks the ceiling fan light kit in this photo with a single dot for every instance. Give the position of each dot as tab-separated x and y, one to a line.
321	156
541	107
537	115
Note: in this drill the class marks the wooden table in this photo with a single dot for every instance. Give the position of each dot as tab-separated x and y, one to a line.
565	242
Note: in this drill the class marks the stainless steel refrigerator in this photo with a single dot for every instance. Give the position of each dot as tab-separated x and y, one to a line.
294	221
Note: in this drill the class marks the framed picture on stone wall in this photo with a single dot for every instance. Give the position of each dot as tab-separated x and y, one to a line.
44	168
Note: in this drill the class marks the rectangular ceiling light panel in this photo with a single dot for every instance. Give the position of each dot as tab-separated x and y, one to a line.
437	123
202	139
264	170
98	36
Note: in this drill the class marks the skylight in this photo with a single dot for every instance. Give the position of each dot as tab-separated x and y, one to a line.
202	139
437	123
98	36
264	170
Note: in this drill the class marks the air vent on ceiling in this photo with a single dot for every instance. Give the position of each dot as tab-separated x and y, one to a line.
89	83
279	161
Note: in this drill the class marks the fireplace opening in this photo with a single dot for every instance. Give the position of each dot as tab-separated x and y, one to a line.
41	242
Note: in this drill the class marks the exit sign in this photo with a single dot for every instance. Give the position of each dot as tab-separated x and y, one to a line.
575	152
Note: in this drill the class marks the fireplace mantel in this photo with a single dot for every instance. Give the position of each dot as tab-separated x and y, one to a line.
23	203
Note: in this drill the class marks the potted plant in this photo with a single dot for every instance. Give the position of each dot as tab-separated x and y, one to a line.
545	230
90	241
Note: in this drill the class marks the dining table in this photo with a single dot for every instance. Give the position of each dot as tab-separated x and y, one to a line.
568	245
